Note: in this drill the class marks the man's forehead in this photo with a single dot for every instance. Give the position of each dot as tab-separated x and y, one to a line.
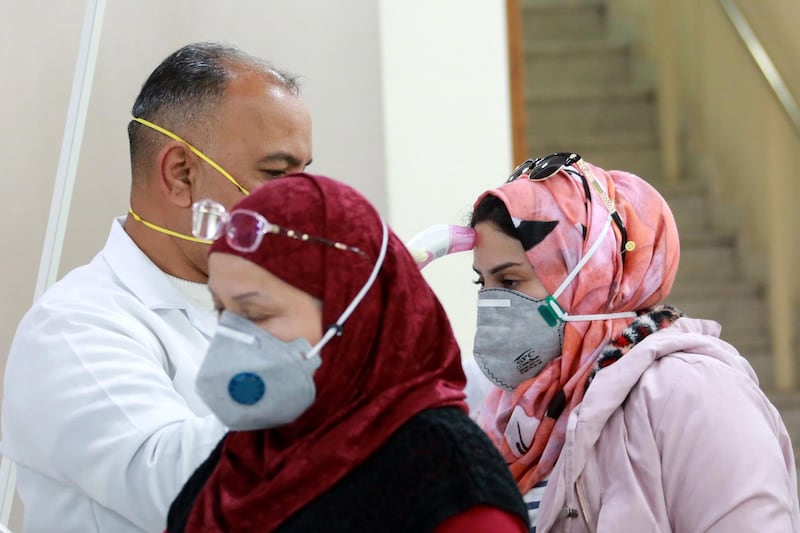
253	82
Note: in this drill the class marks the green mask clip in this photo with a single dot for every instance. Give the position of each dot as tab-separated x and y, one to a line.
551	312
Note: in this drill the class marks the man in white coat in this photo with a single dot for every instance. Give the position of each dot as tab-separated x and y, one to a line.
100	412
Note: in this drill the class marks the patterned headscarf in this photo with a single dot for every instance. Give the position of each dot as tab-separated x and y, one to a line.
395	357
557	224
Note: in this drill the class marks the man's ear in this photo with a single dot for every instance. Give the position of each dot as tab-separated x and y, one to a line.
177	170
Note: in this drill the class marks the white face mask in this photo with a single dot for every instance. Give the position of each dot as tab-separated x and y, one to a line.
517	335
513	341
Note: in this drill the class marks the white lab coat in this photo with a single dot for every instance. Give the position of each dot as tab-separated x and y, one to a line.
99	410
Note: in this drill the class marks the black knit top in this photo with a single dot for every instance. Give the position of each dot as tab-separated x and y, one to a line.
436	466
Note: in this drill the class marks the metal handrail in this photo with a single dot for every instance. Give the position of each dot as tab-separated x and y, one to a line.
763	61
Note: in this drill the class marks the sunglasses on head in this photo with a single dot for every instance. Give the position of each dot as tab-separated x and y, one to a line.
544	167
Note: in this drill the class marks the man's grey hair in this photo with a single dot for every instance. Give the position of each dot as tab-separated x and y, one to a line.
183	90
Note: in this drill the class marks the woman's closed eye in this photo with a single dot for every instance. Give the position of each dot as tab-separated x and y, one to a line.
256	318
253	315
274	172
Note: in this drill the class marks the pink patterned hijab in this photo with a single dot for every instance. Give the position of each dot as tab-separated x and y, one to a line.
533	418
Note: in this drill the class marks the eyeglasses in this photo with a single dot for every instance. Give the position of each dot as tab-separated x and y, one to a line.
244	229
194	150
542	168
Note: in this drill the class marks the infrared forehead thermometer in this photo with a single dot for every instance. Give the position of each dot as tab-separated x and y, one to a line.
440	240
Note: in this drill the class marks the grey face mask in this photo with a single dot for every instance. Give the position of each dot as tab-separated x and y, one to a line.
514	340
251	380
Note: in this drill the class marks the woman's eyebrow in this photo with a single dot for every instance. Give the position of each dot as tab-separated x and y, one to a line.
498	268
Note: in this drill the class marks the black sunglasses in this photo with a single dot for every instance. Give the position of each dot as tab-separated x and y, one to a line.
542	168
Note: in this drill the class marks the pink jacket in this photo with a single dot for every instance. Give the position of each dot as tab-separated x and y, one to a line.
675	436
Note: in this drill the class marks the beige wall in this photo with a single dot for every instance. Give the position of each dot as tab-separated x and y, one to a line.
32	110
448	128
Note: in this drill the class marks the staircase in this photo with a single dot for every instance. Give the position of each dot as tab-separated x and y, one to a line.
582	96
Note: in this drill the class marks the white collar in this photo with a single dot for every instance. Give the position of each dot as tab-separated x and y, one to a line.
151	285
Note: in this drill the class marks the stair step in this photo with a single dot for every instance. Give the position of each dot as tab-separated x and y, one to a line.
570	63
553	19
691	214
708	257
688	200
594	110
581	93
636	153
738	306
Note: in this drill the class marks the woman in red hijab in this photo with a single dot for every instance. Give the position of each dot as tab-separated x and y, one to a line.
337	372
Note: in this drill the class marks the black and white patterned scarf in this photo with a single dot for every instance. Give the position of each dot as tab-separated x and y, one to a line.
649	321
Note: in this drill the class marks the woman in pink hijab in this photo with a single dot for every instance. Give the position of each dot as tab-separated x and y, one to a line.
615	412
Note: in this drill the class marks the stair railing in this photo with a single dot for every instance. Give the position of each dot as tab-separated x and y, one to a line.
779	278
763	61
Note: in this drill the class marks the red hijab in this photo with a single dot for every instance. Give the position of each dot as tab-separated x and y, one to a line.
396	357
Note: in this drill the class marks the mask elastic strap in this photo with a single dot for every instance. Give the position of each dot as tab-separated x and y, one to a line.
336	328
556	309
587	318
166	231
585	259
198	153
